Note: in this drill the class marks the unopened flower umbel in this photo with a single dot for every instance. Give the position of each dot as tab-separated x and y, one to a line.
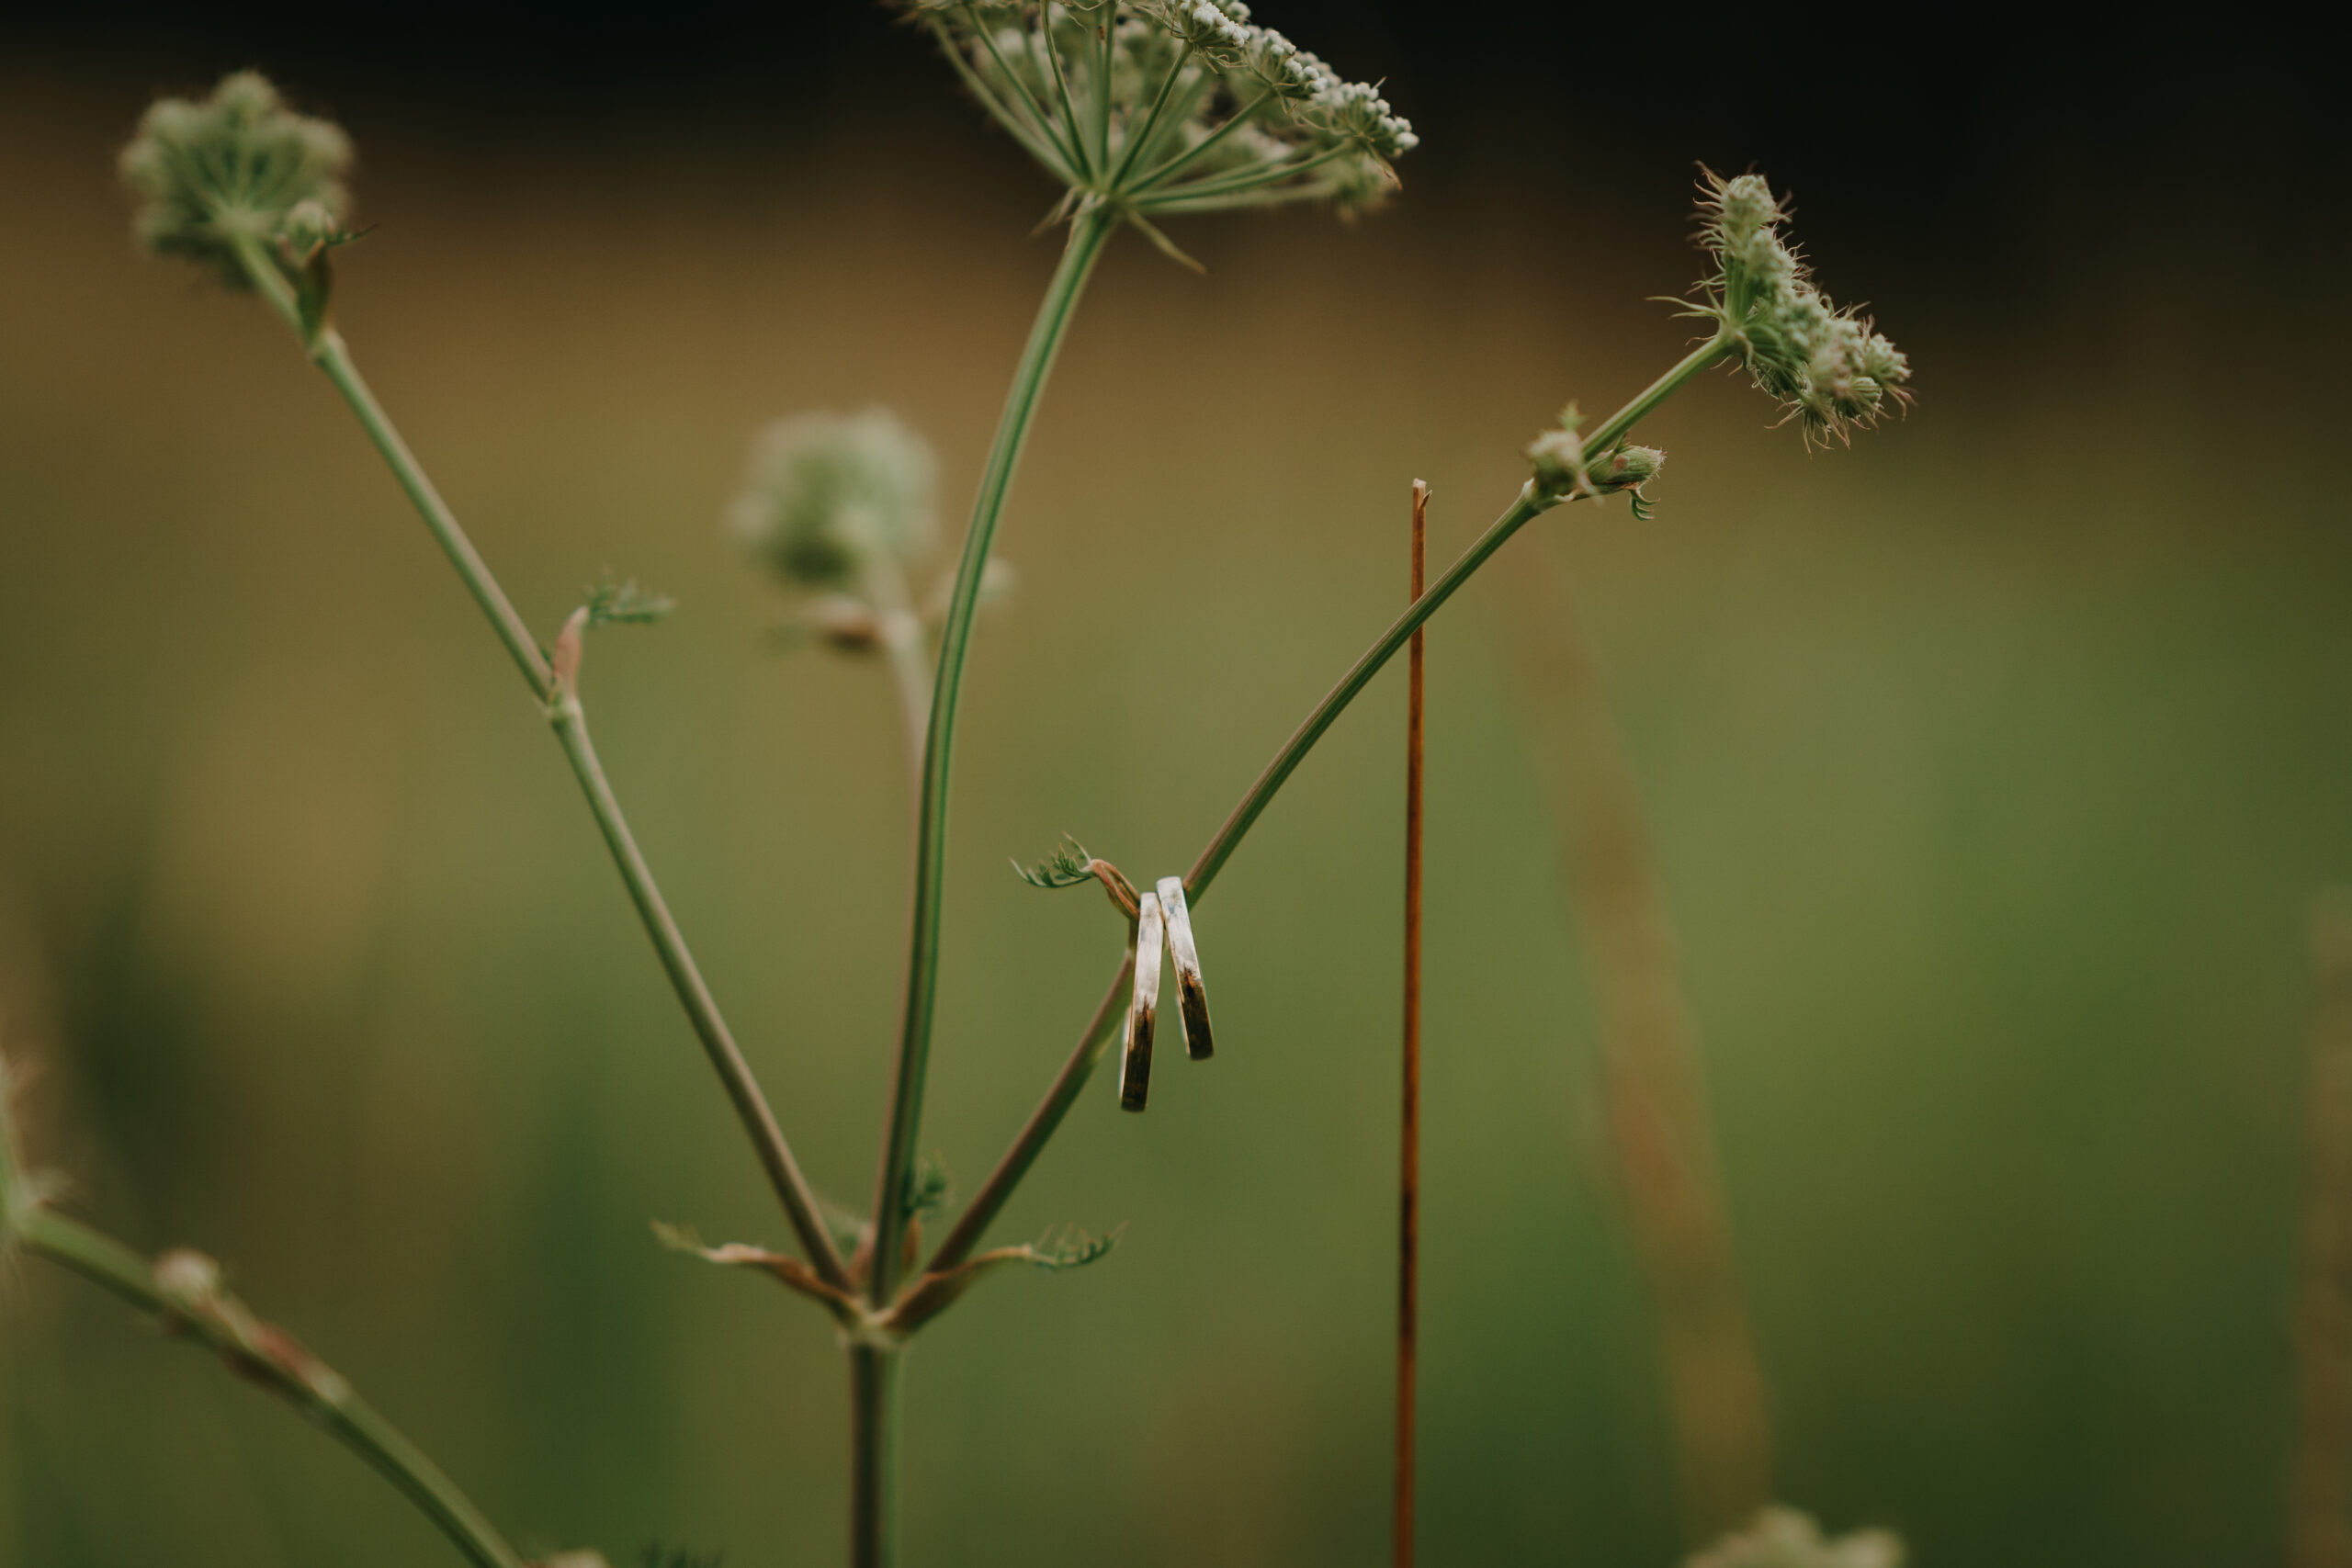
223	181
1827	368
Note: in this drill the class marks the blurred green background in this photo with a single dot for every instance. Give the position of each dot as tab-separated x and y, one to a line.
1991	764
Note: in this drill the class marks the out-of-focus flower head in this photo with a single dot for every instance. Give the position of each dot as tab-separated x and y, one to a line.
234	175
1783	1537
1825	366
828	492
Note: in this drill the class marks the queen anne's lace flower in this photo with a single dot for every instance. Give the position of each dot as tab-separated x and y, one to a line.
1171	106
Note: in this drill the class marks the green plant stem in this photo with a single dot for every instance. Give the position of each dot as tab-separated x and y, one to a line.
1184	160
1136	137
1527	505
1089	232
998	1190
972	1226
899	629
334	359
1037	136
1101	88
328	351
1229	185
1044	39
350	1419
800	1208
874	1456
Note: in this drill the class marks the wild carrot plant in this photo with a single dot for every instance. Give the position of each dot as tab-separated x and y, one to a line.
1140	111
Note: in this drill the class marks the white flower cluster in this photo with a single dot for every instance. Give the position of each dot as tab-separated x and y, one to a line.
1171	106
1827	366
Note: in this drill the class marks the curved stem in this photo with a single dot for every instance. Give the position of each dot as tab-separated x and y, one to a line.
265	1355
1039	1129
997	1191
900	631
1527	504
1088	231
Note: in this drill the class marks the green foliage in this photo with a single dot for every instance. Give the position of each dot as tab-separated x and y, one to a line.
1067	866
845	1224
1068	1247
930	1189
611	602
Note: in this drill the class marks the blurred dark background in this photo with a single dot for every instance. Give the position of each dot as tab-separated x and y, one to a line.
1992	764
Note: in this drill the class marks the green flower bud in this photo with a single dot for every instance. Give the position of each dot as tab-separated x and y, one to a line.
309	224
1557	457
1562	471
825	492
231	171
1627	467
189	1281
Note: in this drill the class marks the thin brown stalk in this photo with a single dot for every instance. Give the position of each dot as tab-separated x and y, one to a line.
2319	1520
1661	1130
1408	1173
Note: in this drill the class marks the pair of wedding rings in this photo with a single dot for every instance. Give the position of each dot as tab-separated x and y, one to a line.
1162	917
